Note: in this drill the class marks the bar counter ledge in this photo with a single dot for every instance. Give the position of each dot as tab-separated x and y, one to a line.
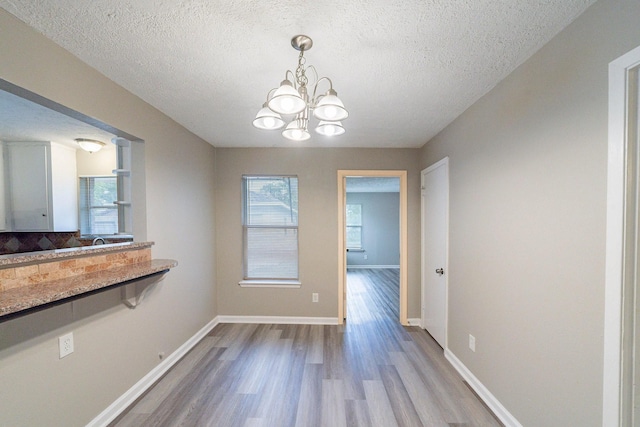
34	281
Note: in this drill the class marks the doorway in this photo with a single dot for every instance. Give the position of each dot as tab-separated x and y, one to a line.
342	237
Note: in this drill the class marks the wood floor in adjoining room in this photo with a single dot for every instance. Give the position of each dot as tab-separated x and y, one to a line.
369	372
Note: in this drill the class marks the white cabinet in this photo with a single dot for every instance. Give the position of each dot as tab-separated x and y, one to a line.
42	186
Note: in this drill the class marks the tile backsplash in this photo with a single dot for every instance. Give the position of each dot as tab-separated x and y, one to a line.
26	275
11	243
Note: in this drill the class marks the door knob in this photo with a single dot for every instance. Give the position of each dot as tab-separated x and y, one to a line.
440	271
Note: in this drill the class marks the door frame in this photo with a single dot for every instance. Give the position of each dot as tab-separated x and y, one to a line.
342	241
423	272
618	264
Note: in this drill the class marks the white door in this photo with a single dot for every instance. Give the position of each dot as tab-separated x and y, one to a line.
435	213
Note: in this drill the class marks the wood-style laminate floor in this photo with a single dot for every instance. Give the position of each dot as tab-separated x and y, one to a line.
369	372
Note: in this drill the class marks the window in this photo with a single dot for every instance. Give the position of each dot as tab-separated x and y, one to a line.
354	226
98	213
270	227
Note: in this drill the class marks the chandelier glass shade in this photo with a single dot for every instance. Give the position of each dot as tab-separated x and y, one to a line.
296	131
268	119
286	100
330	128
291	100
330	108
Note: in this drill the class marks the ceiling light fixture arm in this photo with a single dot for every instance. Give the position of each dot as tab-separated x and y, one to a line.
270	94
314	98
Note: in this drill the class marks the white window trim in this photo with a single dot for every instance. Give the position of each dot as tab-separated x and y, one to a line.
270	283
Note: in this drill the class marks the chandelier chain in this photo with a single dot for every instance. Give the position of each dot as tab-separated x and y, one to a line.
301	77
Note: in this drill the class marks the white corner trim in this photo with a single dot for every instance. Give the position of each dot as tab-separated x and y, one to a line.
279	320
491	401
415	322
130	396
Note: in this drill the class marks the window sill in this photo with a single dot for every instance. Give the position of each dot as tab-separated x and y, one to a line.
355	250
269	283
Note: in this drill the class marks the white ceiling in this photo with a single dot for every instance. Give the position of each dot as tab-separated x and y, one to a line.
404	69
23	120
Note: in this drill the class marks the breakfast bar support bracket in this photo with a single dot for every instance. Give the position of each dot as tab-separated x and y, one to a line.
133	293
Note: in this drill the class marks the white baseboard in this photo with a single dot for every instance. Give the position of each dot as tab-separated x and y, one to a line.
279	320
415	322
371	266
489	399
130	396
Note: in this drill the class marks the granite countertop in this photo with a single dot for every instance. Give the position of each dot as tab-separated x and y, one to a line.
28	297
13	260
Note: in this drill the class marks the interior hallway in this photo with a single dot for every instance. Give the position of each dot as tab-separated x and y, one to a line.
369	372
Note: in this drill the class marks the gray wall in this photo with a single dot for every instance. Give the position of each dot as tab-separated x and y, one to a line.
528	177
114	346
380	229
318	225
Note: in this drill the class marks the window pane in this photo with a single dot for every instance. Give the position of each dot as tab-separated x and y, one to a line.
104	221
272	253
271	201
98	214
354	214
103	191
354	237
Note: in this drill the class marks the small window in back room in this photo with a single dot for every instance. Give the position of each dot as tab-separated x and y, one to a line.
98	213
270	227
354	226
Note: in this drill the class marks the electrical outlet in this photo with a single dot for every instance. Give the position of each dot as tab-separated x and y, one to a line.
314	297
65	343
472	343
366	256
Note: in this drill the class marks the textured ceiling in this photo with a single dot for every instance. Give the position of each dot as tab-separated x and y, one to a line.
404	68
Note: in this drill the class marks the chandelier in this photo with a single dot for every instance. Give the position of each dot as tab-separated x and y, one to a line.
292	101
